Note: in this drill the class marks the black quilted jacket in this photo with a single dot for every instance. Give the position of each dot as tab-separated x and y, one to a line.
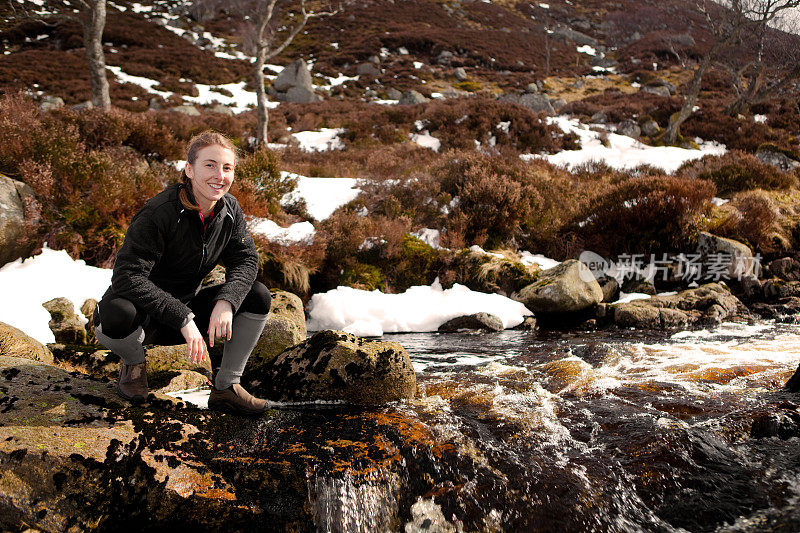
166	255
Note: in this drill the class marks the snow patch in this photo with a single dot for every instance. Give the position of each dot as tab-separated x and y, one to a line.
323	196
621	152
420	308
25	286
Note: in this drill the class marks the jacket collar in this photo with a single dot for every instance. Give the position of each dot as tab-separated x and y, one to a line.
220	209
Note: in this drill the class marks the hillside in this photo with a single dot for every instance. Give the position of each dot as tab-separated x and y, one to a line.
491	76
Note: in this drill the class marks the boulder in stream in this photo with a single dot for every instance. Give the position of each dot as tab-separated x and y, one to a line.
708	304
476	321
337	366
565	288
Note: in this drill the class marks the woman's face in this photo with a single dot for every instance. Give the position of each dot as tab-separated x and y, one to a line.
211	174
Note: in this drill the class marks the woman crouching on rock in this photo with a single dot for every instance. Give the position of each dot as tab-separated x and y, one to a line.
155	296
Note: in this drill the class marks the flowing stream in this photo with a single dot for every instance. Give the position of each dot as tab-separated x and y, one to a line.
590	431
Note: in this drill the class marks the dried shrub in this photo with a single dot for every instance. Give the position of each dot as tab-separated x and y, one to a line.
86	196
494	197
459	122
619	106
642	215
755	219
260	186
289	267
116	127
737	171
711	123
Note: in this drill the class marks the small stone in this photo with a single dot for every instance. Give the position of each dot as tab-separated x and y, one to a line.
413	98
477	321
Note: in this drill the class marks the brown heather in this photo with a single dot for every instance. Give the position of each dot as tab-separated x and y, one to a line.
641	215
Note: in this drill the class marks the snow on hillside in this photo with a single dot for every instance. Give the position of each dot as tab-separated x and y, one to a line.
620	151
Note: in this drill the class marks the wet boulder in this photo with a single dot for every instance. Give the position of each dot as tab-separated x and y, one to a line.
337	366
565	288
285	327
708	304
783	422
783	310
15	343
64	323
638	286
477	321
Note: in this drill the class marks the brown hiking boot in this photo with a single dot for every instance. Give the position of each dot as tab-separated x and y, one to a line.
132	384
236	400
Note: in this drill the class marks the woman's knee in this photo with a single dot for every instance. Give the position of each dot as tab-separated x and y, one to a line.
118	317
258	300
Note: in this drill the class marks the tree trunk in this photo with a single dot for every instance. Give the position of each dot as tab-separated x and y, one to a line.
675	121
94	22
261	97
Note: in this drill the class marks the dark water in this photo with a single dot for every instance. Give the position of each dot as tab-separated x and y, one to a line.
589	431
607	431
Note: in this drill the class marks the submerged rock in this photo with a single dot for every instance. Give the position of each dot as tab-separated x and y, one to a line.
479	321
333	366
565	288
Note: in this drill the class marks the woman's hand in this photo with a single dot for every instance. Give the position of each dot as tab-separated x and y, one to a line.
221	323
196	350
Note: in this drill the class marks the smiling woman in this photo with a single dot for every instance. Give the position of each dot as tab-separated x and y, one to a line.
156	296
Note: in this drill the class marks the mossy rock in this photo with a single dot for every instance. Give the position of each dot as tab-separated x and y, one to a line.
173	358
337	366
285	327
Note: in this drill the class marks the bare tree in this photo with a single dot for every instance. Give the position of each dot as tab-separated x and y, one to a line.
768	71
91	14
731	23
271	26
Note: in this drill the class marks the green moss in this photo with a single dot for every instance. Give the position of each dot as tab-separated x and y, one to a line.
469	86
367	277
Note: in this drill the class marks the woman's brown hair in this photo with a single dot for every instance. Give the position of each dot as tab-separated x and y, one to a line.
197	143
